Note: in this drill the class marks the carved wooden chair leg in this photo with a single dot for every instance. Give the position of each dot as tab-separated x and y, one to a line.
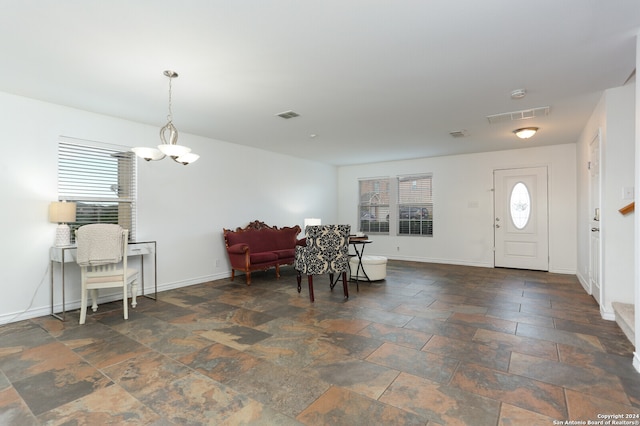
344	285
299	278
248	277
310	279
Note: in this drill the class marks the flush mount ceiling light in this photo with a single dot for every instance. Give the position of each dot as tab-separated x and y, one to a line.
169	137
525	132
518	93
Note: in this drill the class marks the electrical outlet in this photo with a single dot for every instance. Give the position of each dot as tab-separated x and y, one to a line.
398	248
217	263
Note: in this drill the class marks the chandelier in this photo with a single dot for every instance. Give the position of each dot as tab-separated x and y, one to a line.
169	137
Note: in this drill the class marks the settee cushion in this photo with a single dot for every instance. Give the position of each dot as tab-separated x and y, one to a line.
285	238
264	240
247	238
284	254
264	257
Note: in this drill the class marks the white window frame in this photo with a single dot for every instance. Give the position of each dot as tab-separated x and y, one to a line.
373	205
415	205
101	179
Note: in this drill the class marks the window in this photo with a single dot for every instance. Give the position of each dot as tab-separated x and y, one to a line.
415	205
520	205
101	180
373	208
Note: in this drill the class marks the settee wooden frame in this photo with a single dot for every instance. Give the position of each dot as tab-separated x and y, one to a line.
247	267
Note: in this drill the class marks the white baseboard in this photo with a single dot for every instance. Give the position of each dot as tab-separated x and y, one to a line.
563	271
466	263
584	282
609	316
636	361
24	315
438	260
71	305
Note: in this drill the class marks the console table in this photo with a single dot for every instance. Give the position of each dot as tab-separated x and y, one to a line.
67	254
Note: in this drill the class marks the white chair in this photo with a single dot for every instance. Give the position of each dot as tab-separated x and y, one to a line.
102	257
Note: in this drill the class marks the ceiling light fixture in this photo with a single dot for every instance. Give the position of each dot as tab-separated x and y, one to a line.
169	137
525	132
518	93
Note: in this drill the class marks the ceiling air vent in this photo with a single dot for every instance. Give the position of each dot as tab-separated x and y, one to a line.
459	133
519	115
288	114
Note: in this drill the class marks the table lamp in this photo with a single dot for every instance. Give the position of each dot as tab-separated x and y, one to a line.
61	212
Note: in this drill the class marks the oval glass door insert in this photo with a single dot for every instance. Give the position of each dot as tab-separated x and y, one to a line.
520	205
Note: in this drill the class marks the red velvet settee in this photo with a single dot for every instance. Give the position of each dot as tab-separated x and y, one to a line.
259	247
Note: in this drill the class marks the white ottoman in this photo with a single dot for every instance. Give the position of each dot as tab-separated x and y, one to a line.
374	266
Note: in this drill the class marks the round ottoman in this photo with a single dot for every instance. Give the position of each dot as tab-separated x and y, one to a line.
374	266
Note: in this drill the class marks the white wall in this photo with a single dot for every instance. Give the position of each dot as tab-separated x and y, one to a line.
596	124
636	354
618	173
615	117
463	205
183	208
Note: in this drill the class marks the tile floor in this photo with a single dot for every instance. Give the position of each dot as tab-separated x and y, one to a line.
430	345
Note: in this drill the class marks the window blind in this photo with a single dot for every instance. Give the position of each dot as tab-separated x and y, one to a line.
101	180
415	205
373	208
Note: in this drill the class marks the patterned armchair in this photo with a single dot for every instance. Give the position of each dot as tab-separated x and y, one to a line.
326	252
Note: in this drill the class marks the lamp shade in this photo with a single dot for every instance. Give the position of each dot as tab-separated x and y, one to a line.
174	150
148	154
62	212
187	158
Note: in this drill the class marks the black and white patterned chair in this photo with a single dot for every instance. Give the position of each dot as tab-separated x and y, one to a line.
326	252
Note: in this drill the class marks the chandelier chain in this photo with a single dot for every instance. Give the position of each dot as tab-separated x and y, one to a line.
170	116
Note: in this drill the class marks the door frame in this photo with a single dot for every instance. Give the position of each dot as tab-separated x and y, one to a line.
546	210
591	216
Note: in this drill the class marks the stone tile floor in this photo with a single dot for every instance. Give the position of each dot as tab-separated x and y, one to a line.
430	345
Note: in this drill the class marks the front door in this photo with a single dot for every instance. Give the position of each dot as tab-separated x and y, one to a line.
521	218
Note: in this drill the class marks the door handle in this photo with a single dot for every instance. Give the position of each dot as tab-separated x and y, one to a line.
595	229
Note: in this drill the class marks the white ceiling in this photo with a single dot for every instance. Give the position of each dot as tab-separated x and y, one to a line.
375	80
